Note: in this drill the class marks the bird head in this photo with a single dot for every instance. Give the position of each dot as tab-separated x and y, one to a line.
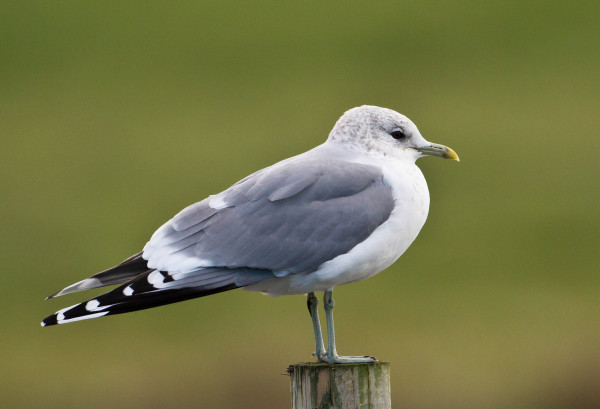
382	131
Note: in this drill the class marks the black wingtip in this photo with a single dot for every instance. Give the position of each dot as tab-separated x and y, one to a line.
50	320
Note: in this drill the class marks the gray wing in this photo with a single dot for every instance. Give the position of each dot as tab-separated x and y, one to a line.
288	218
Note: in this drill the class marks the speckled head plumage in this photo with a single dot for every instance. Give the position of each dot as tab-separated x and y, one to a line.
382	131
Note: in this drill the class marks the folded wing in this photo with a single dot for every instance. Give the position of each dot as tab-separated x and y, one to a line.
286	219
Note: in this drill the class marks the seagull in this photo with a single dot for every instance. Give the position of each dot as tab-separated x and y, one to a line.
336	214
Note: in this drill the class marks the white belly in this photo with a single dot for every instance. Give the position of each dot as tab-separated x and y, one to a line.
388	242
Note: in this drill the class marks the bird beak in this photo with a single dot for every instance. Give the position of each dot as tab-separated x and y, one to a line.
433	149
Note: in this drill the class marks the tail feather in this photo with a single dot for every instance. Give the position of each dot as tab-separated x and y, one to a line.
155	288
122	273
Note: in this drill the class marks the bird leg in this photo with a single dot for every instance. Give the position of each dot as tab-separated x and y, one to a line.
313	303
331	356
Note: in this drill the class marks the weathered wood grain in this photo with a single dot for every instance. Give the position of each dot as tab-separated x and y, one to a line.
347	386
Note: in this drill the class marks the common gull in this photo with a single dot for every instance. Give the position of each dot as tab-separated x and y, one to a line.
339	213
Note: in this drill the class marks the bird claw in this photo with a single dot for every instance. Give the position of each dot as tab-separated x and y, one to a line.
336	359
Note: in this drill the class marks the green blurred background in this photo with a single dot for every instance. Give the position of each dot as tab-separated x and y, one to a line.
115	115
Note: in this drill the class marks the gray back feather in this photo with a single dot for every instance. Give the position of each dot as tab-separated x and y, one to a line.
289	218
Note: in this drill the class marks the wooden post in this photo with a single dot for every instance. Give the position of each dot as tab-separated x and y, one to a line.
347	386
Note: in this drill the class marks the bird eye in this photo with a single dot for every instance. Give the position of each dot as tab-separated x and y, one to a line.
398	134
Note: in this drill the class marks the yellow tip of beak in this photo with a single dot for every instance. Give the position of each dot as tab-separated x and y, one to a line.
452	155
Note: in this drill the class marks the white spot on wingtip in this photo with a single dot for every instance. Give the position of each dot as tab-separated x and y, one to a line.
60	314
43	324
128	290
155	278
83	317
92	305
